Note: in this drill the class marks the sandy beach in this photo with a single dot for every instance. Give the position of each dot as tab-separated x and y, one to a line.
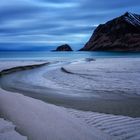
69	70
79	100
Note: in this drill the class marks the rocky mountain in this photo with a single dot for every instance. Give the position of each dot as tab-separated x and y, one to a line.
64	47
119	34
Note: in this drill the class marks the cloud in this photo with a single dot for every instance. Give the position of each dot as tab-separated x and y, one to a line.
57	21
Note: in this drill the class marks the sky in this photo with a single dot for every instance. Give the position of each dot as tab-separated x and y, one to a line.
50	23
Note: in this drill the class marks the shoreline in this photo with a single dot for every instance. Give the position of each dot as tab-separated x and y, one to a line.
20	68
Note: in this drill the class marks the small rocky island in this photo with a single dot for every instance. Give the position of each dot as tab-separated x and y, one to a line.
64	47
119	34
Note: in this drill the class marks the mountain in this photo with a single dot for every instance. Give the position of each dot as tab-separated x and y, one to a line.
119	34
64	47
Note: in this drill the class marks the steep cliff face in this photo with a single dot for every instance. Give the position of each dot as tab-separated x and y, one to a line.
119	34
64	47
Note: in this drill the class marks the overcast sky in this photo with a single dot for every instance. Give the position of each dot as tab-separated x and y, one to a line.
55	22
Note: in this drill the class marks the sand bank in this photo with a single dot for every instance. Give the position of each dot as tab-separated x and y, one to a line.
39	120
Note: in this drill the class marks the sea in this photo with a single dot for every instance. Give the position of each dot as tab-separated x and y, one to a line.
52	55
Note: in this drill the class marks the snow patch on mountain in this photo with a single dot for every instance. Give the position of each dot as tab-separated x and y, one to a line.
133	19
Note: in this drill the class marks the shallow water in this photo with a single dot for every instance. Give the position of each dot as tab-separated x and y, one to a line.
48	55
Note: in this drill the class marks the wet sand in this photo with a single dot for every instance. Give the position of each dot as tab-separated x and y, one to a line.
38	83
98	100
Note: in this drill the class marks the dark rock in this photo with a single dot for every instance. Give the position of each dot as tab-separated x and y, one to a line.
119	34
89	59
64	47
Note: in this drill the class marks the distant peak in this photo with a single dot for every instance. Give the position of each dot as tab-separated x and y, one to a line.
132	18
127	13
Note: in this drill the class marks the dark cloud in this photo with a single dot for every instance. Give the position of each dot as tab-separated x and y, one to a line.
57	21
